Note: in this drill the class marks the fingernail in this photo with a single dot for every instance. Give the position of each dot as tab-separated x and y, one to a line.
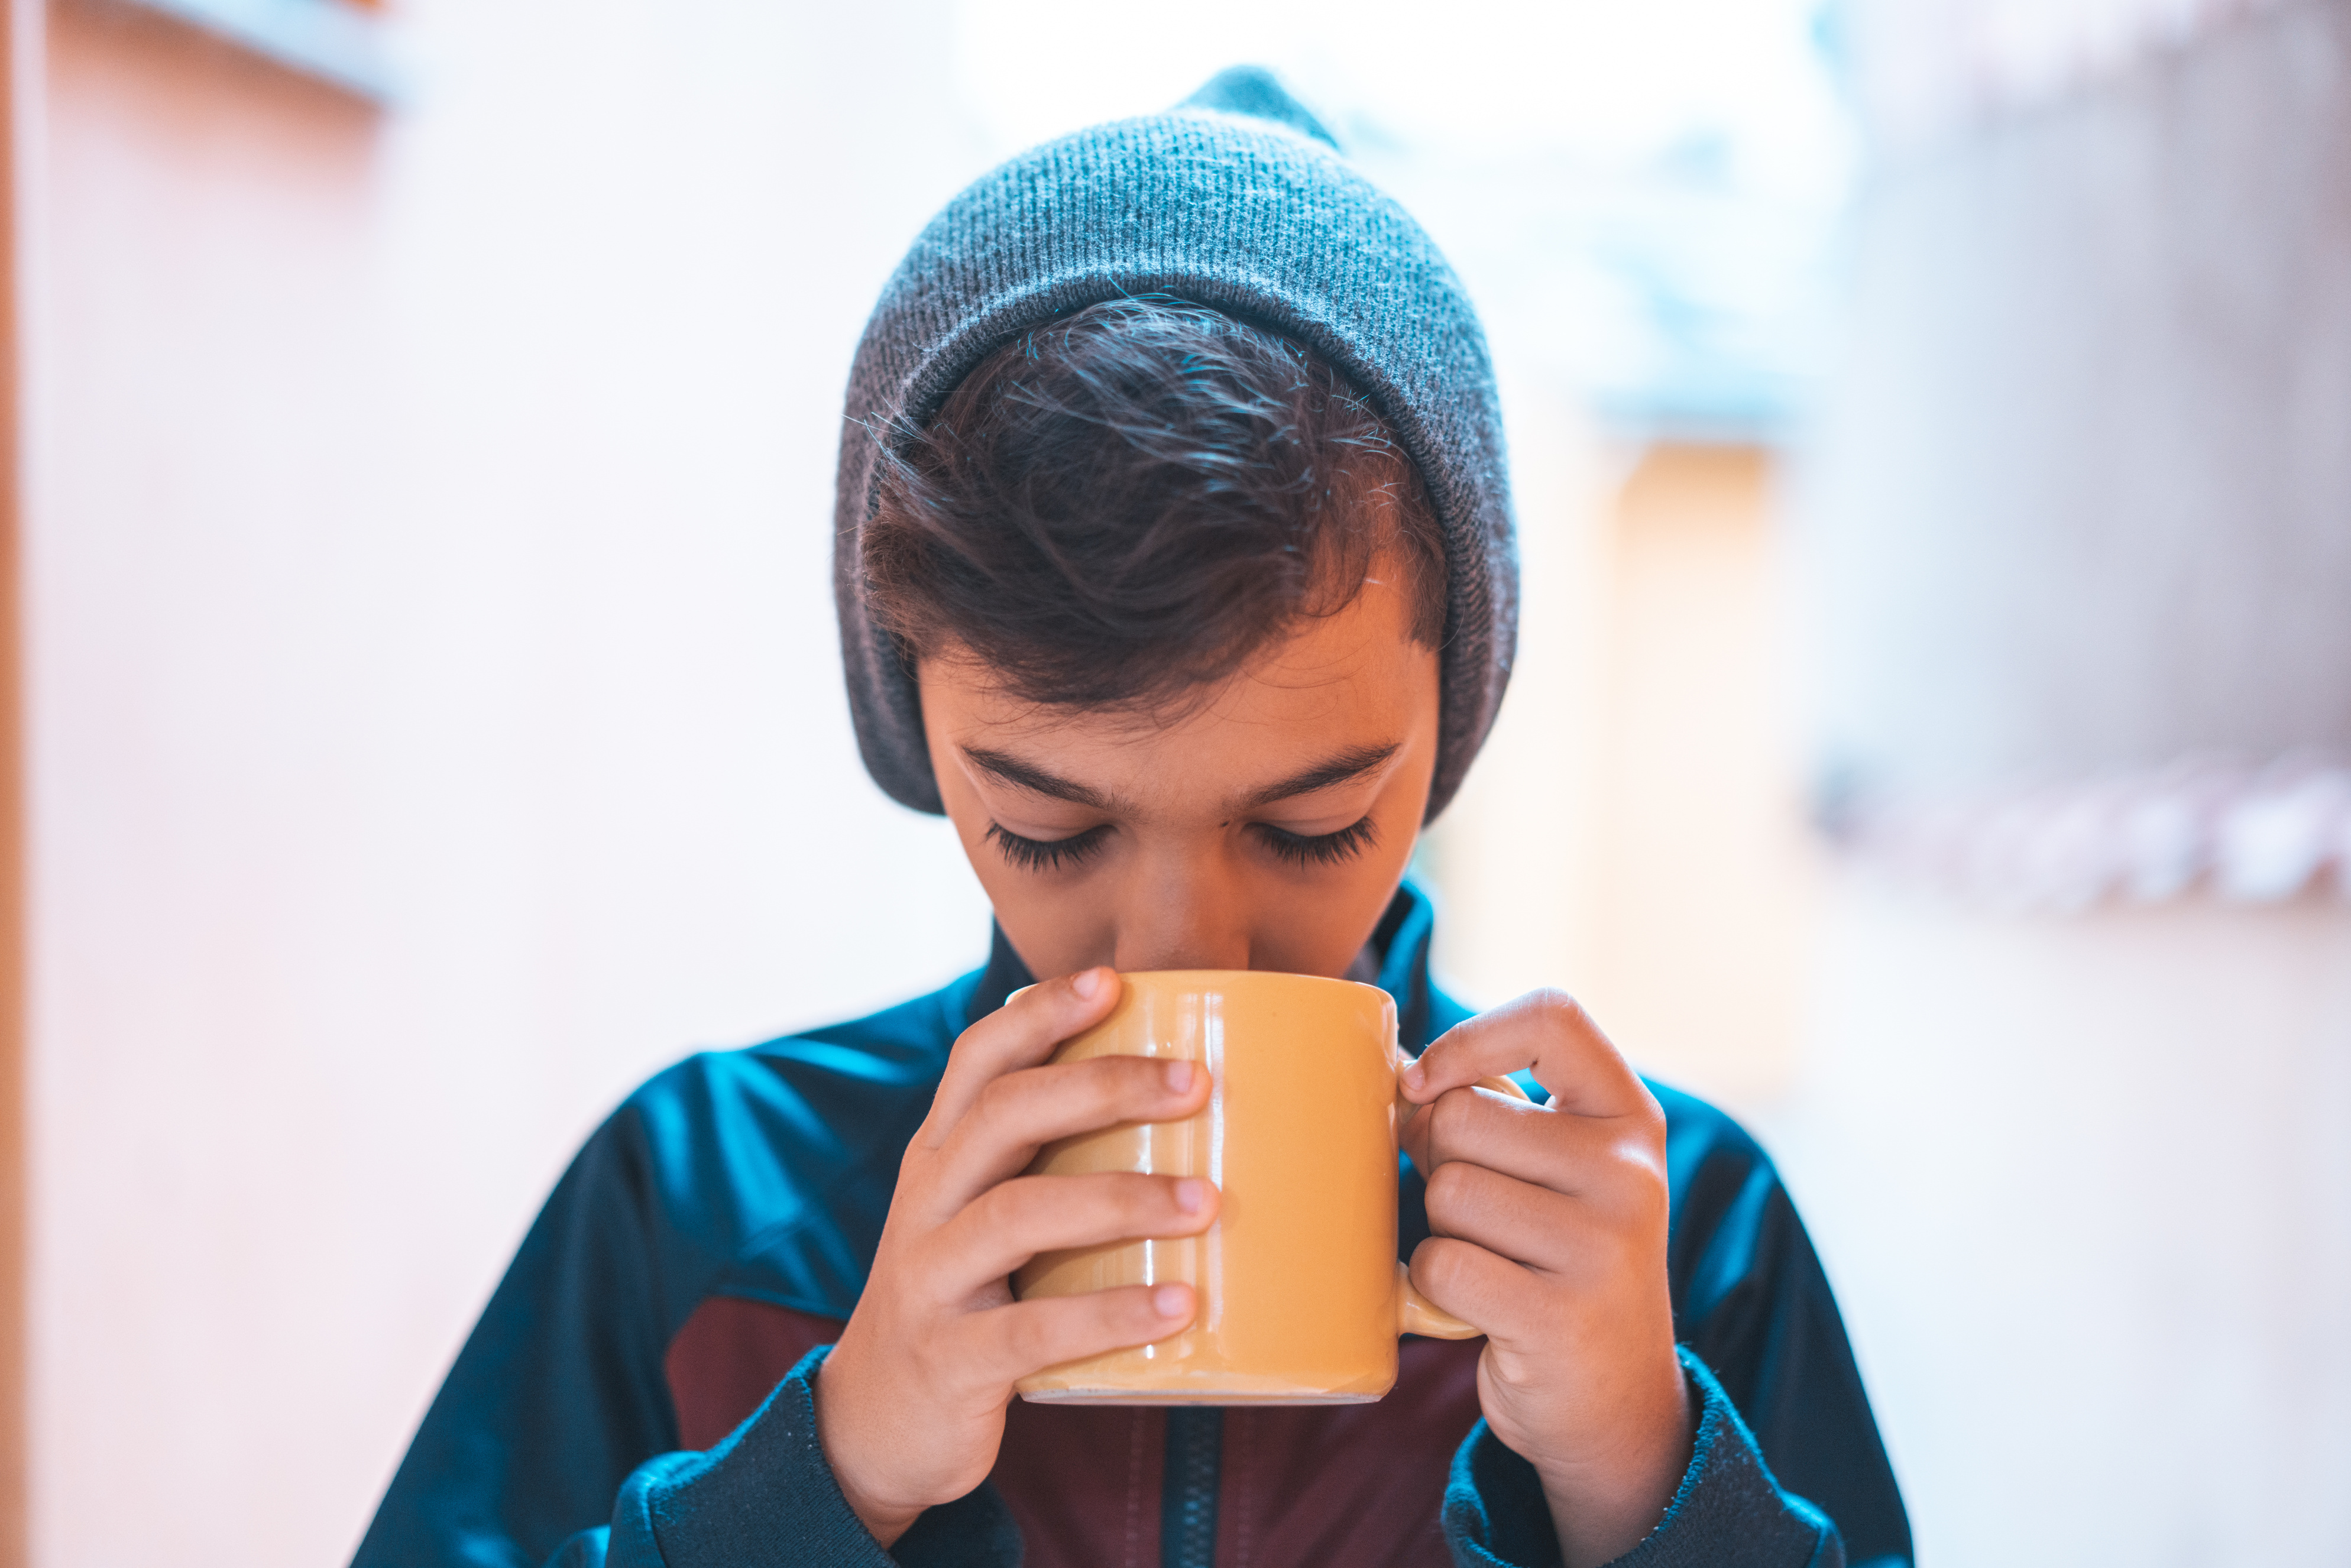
1179	1077
1086	984
1171	1301
1416	1078
1191	1195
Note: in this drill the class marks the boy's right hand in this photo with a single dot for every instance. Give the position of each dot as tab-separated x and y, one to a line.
910	1404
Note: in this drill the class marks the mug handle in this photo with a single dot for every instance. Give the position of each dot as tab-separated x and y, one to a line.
1416	1314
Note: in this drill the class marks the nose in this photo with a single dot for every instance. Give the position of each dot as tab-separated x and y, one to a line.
1185	913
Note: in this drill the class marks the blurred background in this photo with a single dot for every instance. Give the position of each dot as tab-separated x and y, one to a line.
1932	740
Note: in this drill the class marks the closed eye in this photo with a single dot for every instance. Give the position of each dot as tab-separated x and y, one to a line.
1048	854
1318	849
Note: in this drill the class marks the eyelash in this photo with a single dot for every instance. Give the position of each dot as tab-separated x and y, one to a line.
1322	849
1294	848
1048	854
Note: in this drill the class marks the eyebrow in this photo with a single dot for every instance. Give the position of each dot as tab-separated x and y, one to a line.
1344	768
1008	769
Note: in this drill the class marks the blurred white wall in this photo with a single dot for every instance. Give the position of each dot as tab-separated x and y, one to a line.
2080	492
2083	1185
435	712
2075	513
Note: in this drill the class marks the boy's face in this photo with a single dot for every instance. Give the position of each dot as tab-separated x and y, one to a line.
1264	826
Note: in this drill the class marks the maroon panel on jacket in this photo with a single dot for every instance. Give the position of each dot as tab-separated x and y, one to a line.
1359	1484
1083	1481
729	1357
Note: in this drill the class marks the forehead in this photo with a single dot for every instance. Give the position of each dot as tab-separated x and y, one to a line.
1354	678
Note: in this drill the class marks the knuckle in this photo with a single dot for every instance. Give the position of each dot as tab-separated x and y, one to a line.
987	1210
1559	1008
1648	1155
1122	1080
1638	1159
1149	1199
1043	996
1647	1200
985	1040
1059	997
969	1041
1451	1187
987	1105
1123	1309
1006	1209
1028	1338
1448	1117
1440	1265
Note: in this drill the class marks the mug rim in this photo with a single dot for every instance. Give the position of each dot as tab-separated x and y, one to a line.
1206	979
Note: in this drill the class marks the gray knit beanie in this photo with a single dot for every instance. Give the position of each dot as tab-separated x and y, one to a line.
1237	200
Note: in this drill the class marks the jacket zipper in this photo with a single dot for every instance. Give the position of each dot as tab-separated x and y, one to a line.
1188	1495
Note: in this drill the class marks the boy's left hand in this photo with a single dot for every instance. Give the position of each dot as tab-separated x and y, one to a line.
1549	1232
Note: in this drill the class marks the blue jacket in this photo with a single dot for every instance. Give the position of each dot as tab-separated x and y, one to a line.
638	1394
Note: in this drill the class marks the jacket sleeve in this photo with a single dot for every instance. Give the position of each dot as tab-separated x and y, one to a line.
558	1392
560	1399
1727	1512
765	1498
1787	1466
1752	1302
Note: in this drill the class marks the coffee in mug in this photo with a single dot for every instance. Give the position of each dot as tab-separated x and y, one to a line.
1300	1294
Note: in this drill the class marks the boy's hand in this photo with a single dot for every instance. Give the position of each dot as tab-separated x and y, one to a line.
1549	1227
910	1404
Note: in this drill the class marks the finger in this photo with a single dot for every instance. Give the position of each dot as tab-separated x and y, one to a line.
1483	1287
1547	1032
1014	1340
1546	1232
1011	1223
1595	1156
1015	1115
1023	1032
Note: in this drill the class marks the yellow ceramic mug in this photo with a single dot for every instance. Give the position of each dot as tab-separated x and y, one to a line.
1301	1294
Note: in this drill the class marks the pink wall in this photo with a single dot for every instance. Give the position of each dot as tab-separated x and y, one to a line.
434	710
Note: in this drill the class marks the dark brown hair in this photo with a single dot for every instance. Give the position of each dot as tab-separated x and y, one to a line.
1128	503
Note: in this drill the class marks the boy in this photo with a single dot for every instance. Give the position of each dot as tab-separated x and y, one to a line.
1174	565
